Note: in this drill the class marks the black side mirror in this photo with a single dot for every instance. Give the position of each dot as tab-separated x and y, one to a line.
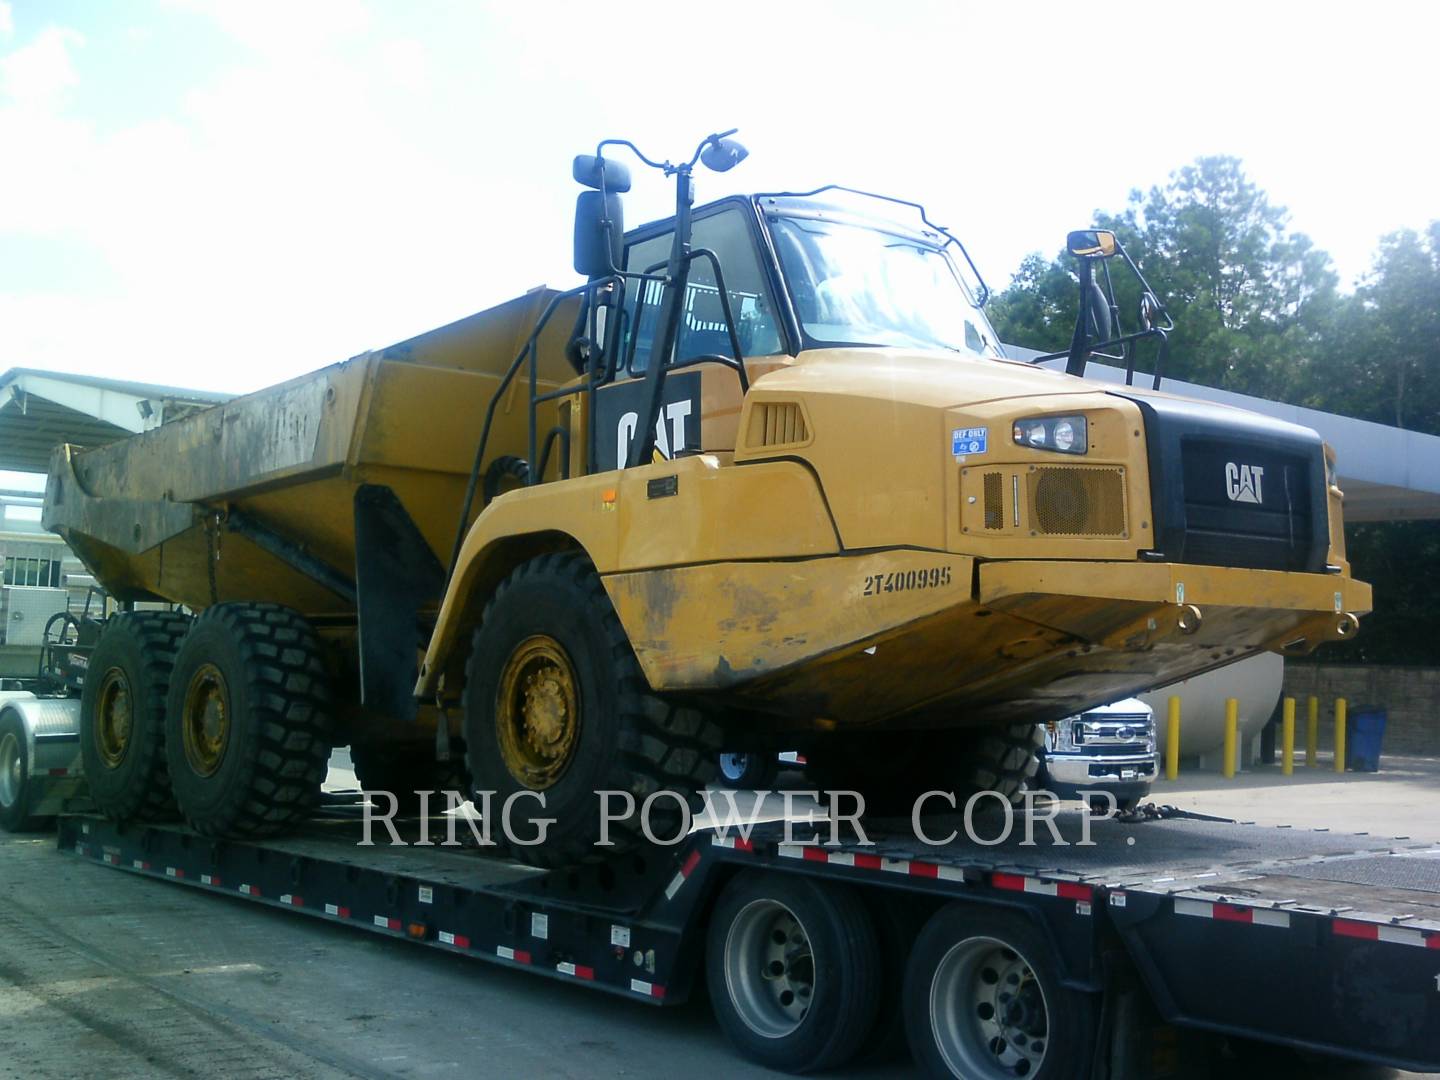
599	234
722	155
1091	243
587	171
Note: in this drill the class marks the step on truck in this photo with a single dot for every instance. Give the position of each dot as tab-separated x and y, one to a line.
1109	948
765	481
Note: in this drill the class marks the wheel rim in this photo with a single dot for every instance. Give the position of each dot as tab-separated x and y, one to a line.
114	717
537	715
988	1012
11	777
205	723
733	766
769	968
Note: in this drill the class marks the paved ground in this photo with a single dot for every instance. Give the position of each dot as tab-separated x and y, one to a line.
105	974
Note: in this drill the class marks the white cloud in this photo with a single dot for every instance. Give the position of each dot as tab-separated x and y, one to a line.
40	72
7	19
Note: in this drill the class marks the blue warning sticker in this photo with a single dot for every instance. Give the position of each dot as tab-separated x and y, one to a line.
968	440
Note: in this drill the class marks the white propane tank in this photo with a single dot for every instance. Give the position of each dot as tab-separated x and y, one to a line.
1255	683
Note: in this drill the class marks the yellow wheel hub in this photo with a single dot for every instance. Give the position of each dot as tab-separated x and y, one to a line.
114	717
537	713
205	725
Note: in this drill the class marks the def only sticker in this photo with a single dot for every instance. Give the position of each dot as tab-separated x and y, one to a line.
968	440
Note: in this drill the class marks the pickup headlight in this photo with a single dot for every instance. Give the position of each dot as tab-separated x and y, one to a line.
1063	434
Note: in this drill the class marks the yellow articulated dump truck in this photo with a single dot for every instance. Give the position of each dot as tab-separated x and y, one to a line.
765	480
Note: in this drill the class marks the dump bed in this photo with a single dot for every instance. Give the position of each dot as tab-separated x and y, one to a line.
285	463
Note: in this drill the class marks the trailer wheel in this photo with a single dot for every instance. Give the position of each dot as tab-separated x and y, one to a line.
984	1001
248	721
556	705
403	770
122	715
15	779
791	966
747	770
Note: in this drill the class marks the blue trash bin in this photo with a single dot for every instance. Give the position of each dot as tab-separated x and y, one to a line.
1364	734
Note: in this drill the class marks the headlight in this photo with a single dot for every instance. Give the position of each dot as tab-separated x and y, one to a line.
1063	434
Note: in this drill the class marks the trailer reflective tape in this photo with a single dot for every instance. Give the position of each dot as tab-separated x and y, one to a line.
387	923
113	860
140	864
338	911
580	971
293	901
691	861
640	986
460	941
1236	913
1010	882
792	851
174	871
734	842
1065	890
505	952
209	879
58	772
1393	935
249	890
924	869
1072	890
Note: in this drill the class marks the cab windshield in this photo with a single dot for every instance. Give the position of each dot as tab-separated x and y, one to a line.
859	285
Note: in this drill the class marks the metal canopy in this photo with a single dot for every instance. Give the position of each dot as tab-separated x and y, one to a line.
39	410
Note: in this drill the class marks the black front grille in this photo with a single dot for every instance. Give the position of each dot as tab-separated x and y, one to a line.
1234	488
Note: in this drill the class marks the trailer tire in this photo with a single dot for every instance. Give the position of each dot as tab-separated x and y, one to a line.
556	705
404	770
791	966
984	1001
122	715
15	779
747	770
248	721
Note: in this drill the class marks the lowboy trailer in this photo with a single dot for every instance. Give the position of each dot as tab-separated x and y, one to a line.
996	960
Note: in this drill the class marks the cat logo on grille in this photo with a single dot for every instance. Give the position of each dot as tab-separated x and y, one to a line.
1242	482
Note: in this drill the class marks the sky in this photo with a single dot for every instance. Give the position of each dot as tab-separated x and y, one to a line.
224	194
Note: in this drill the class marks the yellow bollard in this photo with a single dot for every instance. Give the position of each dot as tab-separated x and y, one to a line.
1232	731
1312	733
1172	740
1340	735
1287	738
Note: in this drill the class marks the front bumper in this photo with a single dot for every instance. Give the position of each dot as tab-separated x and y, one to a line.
1098	771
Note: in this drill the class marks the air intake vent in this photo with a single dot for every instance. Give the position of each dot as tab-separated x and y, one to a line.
777	423
1076	501
994	501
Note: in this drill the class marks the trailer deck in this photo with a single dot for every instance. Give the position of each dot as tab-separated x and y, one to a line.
1314	939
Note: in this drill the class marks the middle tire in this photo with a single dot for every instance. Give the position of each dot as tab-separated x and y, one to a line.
555	703
248	721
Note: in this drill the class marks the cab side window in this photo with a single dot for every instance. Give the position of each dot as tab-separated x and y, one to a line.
702	321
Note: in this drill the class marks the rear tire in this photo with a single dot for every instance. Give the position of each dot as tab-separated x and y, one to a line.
791	968
248	721
15	790
122	715
556	704
748	770
984	1001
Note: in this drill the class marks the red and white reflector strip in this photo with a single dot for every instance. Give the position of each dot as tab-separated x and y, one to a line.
1395	935
293	901
58	772
387	923
140	864
686	869
459	941
647	989
174	872
250	890
1065	890
736	843
519	956
1236	913
864	860
113	860
209	879
338	911
580	971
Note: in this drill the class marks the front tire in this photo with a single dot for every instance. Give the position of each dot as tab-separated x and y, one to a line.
556	704
792	966
983	1001
122	715
248	721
